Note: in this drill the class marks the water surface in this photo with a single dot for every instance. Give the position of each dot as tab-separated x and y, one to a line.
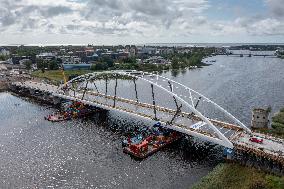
87	153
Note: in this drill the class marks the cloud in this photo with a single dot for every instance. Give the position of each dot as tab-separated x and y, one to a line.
133	19
276	7
55	11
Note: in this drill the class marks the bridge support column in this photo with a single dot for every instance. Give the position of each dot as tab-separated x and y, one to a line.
228	153
56	100
46	96
115	89
154	102
135	87
32	91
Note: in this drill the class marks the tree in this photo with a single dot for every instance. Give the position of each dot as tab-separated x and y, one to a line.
131	60
3	57
53	65
100	66
39	63
28	64
175	64
109	61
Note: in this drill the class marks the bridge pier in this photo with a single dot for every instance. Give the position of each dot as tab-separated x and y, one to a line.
56	100
249	159
32	91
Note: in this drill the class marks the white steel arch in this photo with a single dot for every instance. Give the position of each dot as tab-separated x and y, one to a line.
221	140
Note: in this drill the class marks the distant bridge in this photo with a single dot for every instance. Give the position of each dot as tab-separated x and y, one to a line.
248	53
154	97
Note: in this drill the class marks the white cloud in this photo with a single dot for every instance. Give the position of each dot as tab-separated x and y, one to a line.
137	20
276	7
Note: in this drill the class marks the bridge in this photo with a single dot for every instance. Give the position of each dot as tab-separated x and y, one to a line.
154	97
249	53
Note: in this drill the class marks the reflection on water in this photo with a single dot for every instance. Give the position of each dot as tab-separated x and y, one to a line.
87	153
238	83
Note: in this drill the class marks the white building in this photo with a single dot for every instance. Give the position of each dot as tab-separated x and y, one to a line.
147	50
156	60
46	56
4	52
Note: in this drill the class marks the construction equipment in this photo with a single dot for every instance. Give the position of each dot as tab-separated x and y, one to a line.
64	76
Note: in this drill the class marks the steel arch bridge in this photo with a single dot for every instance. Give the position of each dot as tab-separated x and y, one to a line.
158	98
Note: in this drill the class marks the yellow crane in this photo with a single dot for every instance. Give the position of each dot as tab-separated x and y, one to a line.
64	76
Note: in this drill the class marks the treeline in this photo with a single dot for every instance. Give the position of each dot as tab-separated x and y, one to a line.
178	60
48	64
193	58
280	55
3	57
278	121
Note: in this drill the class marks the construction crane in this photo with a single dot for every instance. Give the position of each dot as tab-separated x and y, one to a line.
64	77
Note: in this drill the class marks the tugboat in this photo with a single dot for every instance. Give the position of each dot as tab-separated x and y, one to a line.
142	145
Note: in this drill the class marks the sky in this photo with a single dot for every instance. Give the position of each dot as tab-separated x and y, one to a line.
112	22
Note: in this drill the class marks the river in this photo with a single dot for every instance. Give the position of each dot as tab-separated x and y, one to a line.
87	153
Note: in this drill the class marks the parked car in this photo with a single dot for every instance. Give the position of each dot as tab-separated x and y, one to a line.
256	140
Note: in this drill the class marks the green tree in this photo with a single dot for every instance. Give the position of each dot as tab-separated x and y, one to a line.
53	65
39	63
3	57
131	60
100	66
175	64
28	64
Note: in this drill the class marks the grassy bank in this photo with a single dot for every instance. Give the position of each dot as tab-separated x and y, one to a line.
234	176
56	75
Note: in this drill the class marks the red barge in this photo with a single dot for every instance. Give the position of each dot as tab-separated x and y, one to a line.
142	146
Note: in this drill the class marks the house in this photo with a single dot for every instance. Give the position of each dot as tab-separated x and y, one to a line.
147	50
46	56
156	60
4	52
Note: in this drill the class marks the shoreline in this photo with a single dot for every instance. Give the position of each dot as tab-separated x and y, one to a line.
3	87
233	175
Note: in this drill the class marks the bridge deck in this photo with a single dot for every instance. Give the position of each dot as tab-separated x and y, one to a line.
272	148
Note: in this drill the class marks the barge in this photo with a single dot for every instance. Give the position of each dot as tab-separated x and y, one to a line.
146	144
72	110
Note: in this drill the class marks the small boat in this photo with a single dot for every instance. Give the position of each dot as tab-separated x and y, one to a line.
141	146
56	118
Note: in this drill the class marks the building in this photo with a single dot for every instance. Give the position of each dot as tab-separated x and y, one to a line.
46	56
4	52
147	50
260	118
16	59
156	60
70	59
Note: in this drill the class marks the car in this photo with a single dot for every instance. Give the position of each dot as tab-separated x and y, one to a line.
256	140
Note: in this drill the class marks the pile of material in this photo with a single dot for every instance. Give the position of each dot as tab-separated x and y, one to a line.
72	110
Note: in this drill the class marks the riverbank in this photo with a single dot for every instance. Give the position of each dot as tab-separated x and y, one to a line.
56	76
3	86
234	176
6	78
